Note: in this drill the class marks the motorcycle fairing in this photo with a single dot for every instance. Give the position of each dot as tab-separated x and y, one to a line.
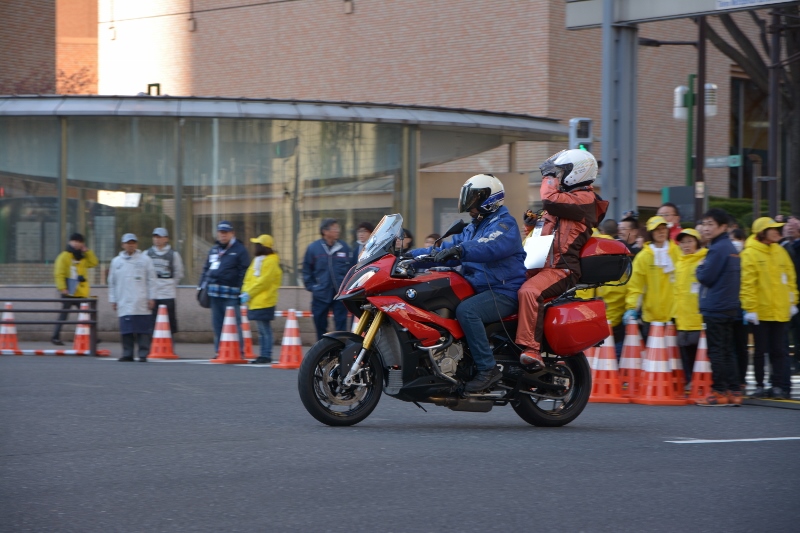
412	318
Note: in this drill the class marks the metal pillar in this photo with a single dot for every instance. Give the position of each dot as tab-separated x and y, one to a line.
618	179
700	151
772	104
690	131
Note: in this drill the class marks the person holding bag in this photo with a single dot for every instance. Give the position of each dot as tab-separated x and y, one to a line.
260	293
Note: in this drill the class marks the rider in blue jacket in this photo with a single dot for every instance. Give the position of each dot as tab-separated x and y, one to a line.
493	261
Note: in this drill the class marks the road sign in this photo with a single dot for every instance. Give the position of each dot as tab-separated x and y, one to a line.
724	161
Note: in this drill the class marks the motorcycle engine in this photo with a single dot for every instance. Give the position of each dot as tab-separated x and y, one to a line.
448	359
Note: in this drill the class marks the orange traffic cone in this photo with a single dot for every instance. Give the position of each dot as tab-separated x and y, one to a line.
81	342
291	345
247	335
678	376
161	346
701	372
630	364
606	385
657	386
229	341
356	320
591	358
8	331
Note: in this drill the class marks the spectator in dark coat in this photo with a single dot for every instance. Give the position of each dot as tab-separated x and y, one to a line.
325	265
719	276
223	274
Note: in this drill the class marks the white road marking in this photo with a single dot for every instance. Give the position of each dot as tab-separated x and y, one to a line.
708	441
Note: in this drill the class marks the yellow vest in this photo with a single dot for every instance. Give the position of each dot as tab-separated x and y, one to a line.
650	287
769	282
263	289
685	305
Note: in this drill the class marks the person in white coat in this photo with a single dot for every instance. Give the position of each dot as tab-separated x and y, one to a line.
131	291
169	271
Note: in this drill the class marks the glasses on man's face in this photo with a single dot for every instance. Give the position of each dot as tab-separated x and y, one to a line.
670	215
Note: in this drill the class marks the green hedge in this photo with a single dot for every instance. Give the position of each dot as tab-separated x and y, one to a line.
742	209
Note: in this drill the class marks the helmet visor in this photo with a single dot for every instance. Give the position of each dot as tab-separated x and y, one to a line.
471	197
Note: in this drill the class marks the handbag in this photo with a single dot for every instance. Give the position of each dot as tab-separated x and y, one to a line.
202	296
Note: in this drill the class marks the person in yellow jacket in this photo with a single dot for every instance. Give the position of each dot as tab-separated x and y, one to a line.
70	270
651	286
768	295
260	292
685	304
614	298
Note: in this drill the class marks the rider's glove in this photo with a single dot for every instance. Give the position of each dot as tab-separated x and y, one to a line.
630	314
244	297
453	252
407	255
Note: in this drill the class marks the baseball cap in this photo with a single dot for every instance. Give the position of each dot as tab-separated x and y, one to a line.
264	240
161	232
689	231
129	237
654	222
760	224
224	226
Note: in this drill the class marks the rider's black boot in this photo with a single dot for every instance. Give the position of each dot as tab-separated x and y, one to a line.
484	380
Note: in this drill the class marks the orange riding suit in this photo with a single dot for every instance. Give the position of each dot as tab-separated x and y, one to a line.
570	216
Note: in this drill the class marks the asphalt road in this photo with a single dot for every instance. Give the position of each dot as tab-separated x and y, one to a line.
90	445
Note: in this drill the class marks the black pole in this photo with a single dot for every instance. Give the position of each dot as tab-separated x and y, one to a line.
93	329
700	154
772	103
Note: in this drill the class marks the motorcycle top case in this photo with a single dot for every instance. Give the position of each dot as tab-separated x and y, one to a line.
575	325
603	261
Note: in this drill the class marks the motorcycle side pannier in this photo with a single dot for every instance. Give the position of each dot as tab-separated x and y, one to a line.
575	325
604	261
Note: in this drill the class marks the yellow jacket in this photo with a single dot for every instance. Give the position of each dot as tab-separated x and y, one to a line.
263	287
769	282
612	296
685	305
63	269
650	286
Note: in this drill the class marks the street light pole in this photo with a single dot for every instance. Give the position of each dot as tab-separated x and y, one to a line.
699	180
690	131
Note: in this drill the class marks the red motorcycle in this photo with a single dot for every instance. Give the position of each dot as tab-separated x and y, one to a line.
409	345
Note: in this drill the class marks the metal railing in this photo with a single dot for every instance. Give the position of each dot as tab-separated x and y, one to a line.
92	312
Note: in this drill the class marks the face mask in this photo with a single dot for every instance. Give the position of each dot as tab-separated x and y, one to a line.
670	225
738	245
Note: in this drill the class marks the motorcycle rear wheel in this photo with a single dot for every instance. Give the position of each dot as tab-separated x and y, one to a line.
555	413
322	394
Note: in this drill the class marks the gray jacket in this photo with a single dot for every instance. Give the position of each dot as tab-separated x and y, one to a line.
166	278
131	283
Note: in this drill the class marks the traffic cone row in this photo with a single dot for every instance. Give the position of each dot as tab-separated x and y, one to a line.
161	346
630	364
657	383
291	345
8	331
247	335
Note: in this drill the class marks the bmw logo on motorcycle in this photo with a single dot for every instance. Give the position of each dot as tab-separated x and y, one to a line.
411	293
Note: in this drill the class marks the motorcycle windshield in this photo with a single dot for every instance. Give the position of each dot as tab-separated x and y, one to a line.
382	240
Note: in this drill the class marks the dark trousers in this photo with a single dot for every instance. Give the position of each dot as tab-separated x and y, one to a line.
740	333
320	307
128	341
619	338
173	321
719	334
63	316
770	338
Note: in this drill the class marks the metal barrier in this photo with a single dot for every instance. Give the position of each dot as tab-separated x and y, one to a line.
92	311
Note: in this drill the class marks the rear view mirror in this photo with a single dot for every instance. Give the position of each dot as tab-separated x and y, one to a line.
457	227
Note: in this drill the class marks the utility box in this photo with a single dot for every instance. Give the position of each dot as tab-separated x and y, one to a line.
683	197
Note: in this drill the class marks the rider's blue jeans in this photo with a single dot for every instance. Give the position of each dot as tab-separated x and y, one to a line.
473	313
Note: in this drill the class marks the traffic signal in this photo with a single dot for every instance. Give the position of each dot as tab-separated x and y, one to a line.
580	134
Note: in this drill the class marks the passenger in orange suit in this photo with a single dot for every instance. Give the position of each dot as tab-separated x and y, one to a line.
571	210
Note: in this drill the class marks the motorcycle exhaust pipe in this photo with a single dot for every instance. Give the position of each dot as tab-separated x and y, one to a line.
471	405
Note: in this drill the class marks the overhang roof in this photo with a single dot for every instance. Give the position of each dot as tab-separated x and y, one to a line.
510	126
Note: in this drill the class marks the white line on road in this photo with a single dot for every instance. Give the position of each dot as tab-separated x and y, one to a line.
705	441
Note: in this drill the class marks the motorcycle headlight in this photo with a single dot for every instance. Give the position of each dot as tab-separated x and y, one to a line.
361	278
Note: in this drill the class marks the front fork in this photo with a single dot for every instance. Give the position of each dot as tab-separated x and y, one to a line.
366	345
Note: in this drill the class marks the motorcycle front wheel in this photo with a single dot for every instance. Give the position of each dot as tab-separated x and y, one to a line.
540	410
323	394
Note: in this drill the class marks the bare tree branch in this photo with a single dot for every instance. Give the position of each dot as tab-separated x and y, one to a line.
745	45
757	73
